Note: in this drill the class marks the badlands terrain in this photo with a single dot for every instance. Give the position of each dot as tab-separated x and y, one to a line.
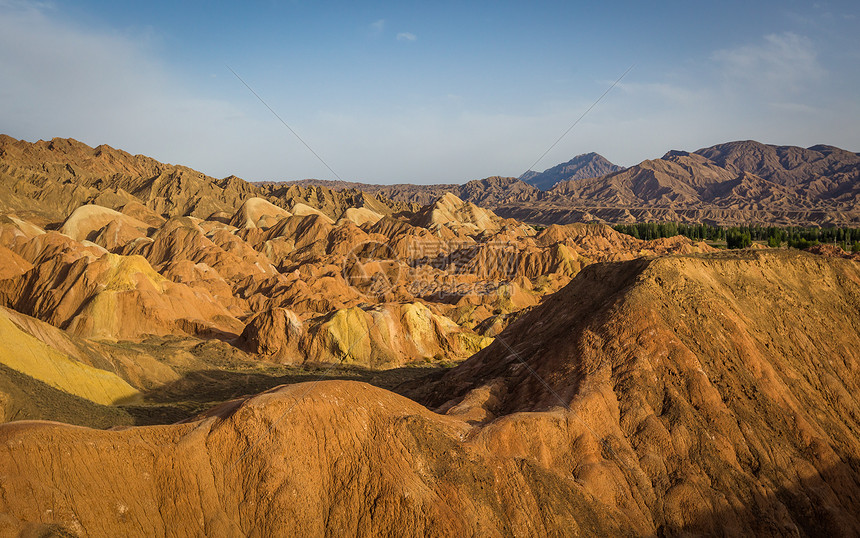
185	355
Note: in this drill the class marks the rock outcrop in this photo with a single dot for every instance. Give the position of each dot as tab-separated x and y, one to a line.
383	336
258	213
37	352
457	215
116	297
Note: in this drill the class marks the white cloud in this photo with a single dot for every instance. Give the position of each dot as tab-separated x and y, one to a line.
795	108
781	62
666	92
406	36
378	26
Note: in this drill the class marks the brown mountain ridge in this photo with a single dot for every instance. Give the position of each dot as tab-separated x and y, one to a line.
733	183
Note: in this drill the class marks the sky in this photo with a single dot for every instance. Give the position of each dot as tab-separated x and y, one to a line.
426	92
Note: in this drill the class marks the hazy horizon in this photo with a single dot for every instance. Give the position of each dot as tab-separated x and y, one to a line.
391	93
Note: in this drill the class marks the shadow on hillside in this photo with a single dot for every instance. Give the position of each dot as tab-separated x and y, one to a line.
200	390
826	503
773	502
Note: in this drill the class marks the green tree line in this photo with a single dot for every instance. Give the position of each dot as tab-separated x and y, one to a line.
743	236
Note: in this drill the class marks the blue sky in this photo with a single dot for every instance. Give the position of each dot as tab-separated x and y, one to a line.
426	91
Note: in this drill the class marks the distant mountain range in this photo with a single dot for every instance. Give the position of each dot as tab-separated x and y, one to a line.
731	183
491	191
736	182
